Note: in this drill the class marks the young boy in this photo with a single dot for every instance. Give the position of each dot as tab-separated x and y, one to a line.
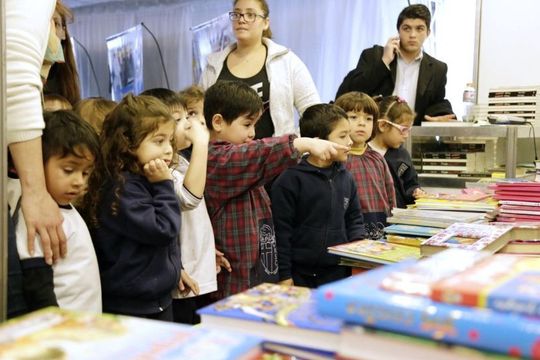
196	234
315	205
238	168
70	147
368	167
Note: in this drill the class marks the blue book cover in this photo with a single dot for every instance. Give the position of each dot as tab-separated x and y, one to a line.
415	230
360	300
278	313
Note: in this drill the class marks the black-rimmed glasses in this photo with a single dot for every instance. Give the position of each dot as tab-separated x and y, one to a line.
248	17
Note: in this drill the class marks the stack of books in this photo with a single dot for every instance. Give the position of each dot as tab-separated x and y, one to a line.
371	253
467	202
519	201
432	218
453	164
455	300
523	102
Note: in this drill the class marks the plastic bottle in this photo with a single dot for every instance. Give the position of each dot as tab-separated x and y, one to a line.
469	100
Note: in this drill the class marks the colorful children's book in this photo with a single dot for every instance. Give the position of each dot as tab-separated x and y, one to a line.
507	283
419	277
405	240
468	237
432	218
53	333
375	251
278	313
360	300
416	230
522	247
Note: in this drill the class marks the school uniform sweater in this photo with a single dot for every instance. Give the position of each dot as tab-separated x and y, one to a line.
313	209
137	249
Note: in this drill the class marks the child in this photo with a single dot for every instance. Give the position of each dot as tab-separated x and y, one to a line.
54	102
94	110
375	184
134	211
315	205
393	127
238	168
70	147
196	236
193	98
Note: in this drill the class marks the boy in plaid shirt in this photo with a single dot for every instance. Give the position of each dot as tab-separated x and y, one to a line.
238	169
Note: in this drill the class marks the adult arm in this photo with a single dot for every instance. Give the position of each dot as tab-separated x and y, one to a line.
27	33
370	75
304	90
439	108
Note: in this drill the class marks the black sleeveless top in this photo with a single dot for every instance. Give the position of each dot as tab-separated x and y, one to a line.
258	82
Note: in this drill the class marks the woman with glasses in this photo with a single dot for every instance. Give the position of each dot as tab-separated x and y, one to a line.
393	127
280	78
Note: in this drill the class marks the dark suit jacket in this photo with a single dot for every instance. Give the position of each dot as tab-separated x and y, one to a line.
372	77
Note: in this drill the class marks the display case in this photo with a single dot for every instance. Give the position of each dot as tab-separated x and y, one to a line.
503	138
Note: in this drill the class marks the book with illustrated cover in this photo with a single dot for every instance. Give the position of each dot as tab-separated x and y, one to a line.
278	313
375	251
408	240
468	237
404	229
506	283
418	278
431	218
360	300
53	333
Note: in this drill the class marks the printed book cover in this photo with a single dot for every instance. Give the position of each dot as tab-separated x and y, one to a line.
360	300
278	313
408	240
404	229
508	283
375	251
53	333
418	278
468	237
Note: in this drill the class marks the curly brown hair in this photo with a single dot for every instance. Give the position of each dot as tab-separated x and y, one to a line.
124	129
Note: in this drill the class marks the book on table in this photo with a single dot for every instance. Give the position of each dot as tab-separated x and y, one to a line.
469	237
360	300
522	247
375	251
278	313
507	283
432	218
53	333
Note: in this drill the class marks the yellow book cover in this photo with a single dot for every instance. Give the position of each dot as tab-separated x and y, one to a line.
376	251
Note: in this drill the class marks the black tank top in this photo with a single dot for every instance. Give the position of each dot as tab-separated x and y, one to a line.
258	82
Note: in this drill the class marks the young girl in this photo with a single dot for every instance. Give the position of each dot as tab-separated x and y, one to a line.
133	211
373	179
393	127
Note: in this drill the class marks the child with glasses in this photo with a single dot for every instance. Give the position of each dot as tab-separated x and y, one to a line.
374	181
393	127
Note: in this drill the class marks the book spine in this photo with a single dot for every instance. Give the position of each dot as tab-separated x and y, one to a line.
479	328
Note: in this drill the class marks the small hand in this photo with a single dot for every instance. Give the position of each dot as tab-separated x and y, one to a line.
157	170
197	133
324	149
390	50
187	284
222	262
441	118
418	193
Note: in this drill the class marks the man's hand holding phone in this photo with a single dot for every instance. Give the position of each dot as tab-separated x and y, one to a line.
390	50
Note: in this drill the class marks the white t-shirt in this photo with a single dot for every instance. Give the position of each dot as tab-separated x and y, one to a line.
196	236
77	285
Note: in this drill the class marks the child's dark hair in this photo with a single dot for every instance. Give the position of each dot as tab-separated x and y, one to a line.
319	120
166	96
416	11
124	129
66	134
230	99
191	94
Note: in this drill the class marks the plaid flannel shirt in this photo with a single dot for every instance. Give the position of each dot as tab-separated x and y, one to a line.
375	188
238	203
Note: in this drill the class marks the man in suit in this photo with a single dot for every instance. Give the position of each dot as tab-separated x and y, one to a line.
402	68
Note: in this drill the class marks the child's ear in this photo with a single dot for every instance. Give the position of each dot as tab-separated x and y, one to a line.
218	122
382	126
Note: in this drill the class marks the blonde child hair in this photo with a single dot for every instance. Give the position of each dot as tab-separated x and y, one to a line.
94	110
